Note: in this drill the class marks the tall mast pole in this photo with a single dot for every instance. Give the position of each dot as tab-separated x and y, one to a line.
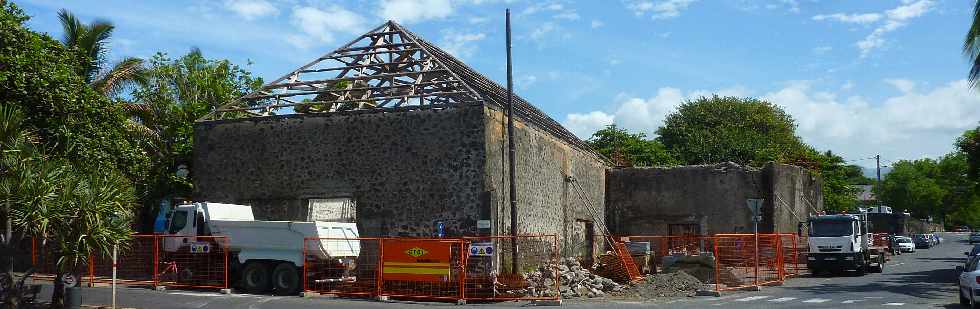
511	152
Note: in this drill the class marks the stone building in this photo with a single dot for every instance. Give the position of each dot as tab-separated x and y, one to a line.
394	133
709	199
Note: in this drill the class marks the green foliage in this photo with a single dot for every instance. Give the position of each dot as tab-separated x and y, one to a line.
969	144
935	188
838	179
630	149
747	131
39	76
91	40
175	93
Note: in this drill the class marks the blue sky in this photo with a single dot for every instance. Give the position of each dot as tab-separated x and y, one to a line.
860	77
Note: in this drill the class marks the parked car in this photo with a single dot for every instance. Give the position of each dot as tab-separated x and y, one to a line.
972	253
962	229
905	244
974	237
969	282
922	241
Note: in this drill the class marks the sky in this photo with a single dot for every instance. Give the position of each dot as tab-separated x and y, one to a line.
859	77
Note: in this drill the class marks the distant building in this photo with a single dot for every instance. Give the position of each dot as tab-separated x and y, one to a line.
866	195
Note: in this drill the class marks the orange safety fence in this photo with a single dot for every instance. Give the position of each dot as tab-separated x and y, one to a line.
476	268
743	262
794	254
491	274
154	260
342	266
658	247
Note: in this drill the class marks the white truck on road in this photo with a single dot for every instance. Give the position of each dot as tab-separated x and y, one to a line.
264	256
842	242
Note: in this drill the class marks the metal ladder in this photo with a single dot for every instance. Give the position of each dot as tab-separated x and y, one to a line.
627	266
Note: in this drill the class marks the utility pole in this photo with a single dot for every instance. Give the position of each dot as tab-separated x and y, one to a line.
511	154
878	183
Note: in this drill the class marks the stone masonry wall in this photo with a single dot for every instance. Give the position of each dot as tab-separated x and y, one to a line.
406	170
547	203
796	195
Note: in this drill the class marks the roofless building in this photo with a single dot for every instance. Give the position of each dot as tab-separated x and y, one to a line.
393	132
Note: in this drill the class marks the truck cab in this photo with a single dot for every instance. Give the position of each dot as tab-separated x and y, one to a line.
842	242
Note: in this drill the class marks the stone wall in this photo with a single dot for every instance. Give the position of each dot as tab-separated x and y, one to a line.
796	195
405	170
711	198
547	202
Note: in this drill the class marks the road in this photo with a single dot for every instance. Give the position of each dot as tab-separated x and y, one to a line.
925	279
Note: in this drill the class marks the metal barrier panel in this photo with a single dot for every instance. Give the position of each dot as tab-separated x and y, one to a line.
422	268
134	263
664	246
199	262
770	266
352	271
794	258
742	262
490	273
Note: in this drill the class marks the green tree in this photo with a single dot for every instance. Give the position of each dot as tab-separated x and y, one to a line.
39	76
91	40
913	186
969	145
630	149
174	94
837	178
741	130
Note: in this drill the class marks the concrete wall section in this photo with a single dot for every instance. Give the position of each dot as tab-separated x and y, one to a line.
796	195
646	201
405	170
547	202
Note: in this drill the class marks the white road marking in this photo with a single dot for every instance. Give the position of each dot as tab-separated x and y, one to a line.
782	299
751	298
894	304
851	301
816	300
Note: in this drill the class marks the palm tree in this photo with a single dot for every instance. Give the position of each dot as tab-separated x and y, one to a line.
91	40
971	46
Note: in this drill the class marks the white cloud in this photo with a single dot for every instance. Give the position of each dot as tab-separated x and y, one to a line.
251	9
583	125
409	11
319	25
821	50
596	23
567	15
478	19
461	45
663	9
888	21
865	18
911	123
903	85
847	85
525	81
543	30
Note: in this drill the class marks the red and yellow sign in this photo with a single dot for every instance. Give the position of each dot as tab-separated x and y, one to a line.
416	260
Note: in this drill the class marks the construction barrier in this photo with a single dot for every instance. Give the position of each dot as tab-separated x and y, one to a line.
149	260
794	254
478	268
491	274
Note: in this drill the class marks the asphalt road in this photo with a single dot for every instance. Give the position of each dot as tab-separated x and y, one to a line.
926	279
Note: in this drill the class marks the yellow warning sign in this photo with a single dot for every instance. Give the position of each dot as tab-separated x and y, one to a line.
416	252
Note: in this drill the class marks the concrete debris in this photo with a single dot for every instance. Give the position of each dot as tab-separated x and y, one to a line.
673	284
575	281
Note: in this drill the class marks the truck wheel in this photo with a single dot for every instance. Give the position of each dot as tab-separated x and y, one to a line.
285	279
255	278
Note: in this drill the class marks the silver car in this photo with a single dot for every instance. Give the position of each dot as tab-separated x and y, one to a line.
974	237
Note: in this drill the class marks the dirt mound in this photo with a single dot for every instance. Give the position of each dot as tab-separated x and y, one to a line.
673	284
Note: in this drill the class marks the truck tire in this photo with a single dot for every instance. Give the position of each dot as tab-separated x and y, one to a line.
881	265
255	278
285	279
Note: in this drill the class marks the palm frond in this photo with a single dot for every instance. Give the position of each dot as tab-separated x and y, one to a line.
71	26
122	74
971	46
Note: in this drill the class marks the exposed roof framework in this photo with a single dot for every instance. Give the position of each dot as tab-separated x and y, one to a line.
386	69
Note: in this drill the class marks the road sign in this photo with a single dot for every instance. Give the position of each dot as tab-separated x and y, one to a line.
755	204
200	247
481	249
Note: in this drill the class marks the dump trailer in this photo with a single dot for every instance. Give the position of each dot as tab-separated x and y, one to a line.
264	256
843	242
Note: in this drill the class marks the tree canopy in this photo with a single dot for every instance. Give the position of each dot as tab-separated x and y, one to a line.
630	149
742	130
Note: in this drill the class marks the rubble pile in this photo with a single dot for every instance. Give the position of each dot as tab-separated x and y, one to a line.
574	280
673	284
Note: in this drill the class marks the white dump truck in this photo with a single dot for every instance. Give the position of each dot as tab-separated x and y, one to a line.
264	256
843	242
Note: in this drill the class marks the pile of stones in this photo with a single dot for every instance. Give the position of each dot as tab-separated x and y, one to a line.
574	281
